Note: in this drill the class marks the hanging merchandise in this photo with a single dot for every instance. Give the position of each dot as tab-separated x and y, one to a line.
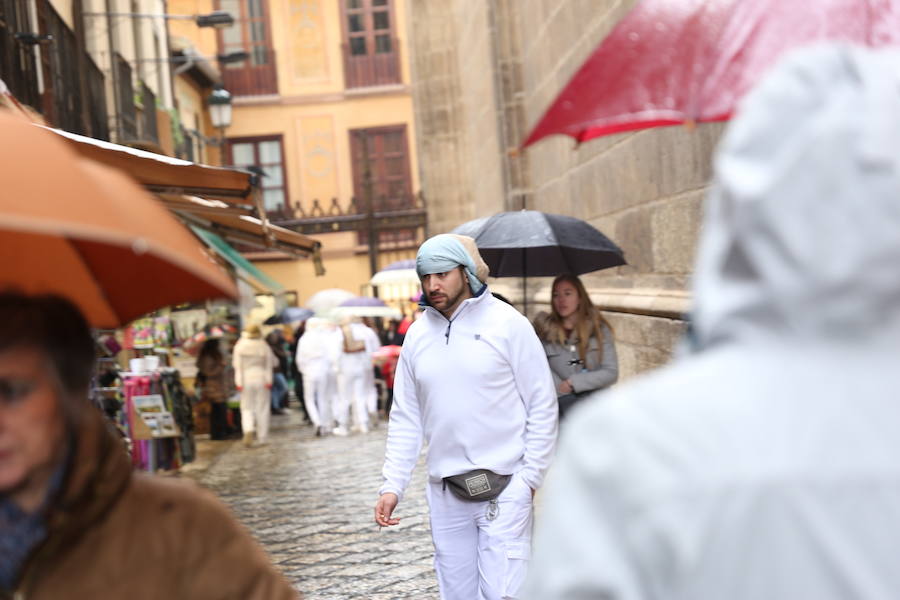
160	423
162	332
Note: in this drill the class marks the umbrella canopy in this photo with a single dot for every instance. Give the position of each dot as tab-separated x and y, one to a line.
365	306
402	271
363	301
291	314
322	302
688	61
386	312
72	227
529	243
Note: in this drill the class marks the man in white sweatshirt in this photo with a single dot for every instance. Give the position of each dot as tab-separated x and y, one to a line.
472	381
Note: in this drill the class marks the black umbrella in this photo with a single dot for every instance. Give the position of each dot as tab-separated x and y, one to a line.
291	314
529	243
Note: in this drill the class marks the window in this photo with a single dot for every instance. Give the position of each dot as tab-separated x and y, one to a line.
369	54
265	154
385	151
251	34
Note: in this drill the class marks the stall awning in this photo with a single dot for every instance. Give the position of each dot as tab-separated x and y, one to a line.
244	267
227	195
161	174
237	224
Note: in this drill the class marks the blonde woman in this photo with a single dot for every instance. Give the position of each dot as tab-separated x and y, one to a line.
578	342
253	363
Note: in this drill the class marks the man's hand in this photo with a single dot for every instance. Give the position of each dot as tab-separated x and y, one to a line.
239	388
268	386
384	508
565	387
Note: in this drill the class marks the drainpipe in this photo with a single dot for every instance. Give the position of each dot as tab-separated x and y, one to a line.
113	75
499	107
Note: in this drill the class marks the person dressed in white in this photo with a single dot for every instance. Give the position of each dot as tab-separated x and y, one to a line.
253	362
473	382
764	463
317	355
371	391
358	342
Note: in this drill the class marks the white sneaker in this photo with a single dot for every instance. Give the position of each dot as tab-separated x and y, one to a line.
341	431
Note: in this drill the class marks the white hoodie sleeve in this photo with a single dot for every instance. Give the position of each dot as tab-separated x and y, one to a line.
535	385
582	546
404	432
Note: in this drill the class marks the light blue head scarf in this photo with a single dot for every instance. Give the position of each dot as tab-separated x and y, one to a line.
444	253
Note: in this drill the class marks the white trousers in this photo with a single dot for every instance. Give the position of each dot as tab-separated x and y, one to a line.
317	399
352	393
255	406
476	558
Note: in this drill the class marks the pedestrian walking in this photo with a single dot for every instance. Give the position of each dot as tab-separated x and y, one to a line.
279	391
474	383
317	356
358	342
578	342
370	387
763	462
211	371
76	521
296	375
253	363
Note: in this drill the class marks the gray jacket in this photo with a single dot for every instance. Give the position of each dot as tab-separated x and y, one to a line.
595	375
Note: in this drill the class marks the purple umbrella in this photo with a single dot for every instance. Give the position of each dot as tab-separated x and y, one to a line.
365	306
363	301
408	263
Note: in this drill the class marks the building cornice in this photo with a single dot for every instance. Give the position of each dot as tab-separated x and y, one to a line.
324	98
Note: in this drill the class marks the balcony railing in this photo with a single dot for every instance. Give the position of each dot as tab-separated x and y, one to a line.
256	76
366	70
395	219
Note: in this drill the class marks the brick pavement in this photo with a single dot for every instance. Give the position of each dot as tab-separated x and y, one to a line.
309	502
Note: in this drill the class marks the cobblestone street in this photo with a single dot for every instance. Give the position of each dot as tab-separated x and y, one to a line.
309	502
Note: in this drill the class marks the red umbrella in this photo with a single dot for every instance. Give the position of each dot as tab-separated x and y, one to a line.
677	61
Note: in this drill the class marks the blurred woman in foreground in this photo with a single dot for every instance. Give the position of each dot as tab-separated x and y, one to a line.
75	520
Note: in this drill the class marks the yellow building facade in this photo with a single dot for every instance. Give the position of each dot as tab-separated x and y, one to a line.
322	98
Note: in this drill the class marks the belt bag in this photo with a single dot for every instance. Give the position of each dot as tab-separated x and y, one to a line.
479	485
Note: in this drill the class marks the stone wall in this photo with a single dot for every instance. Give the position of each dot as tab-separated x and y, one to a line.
643	189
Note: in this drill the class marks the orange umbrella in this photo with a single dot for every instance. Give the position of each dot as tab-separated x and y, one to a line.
73	227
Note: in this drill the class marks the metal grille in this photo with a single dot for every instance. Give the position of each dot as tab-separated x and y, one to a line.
65	86
18	68
97	108
125	99
149	130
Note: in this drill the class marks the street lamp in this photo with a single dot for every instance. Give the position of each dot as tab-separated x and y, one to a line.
220	111
218	19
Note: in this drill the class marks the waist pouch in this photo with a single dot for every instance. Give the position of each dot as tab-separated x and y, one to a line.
479	485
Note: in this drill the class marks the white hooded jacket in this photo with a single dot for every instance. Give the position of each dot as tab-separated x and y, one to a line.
478	389
767	464
319	349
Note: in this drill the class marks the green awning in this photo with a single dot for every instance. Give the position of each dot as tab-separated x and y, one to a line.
243	266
